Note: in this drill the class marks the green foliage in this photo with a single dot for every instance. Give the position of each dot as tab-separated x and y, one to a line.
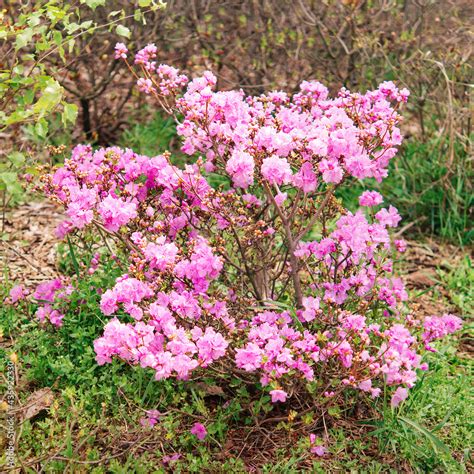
28	88
152	137
433	427
459	282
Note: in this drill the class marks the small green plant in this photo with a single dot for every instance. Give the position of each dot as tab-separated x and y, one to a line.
432	430
459	282
159	133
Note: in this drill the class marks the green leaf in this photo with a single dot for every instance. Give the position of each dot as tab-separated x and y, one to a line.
58	37
34	19
50	97
93	3
61	54
41	128
137	15
123	31
24	38
16	158
69	114
10	182
85	25
73	256
18	116
72	28
28	97
436	442
71	44
115	13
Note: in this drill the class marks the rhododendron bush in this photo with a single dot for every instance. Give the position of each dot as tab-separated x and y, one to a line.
244	261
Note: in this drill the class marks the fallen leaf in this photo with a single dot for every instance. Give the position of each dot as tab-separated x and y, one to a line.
36	403
210	389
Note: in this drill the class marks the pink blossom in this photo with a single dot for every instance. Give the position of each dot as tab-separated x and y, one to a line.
276	170
80	208
249	357
331	170
436	327
56	318
146	54
278	395
146	86
311	305
388	217
370	198
63	229
280	198
241	168
400	245
47	290
318	449
17	293
46	312
199	430
161	255
120	51
211	346
365	385
305	179
398	396
170	458
322	248
151	419
115	212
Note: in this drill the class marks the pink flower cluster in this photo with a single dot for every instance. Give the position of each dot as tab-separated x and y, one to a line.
17	293
50	294
352	134
436	327
229	276
199	430
163	78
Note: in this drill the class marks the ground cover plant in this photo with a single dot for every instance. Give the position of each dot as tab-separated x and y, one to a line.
240	275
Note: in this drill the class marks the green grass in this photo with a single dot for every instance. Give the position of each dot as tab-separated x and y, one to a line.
432	430
153	137
458	280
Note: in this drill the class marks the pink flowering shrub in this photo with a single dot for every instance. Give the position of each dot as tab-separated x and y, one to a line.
268	275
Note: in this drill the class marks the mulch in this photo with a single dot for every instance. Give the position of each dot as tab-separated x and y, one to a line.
28	248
